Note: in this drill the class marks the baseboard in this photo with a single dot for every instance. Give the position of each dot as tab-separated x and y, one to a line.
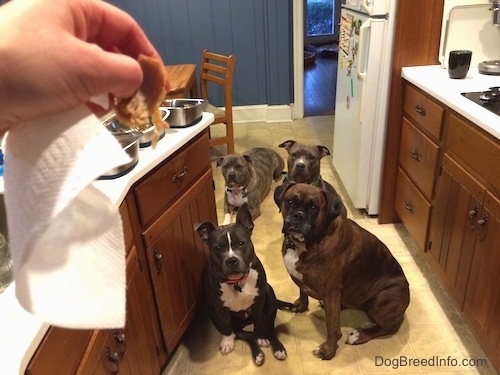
262	113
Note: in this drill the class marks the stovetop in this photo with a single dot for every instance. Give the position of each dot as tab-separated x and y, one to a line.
489	99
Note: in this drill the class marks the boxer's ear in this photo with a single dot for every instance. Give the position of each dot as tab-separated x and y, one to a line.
279	192
204	229
244	217
323	151
334	206
287	144
219	161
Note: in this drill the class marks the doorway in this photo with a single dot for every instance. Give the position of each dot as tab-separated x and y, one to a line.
319	89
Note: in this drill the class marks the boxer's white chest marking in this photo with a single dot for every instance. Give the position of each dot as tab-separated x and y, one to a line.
291	258
237	197
237	301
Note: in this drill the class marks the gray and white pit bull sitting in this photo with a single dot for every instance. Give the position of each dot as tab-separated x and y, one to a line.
248	178
304	166
236	288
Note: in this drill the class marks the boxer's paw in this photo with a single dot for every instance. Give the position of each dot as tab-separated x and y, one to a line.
263	342
227	344
353	338
325	351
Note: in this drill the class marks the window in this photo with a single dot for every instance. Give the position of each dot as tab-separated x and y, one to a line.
320	17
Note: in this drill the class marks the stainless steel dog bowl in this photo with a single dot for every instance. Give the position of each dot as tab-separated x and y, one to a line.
183	112
129	141
147	135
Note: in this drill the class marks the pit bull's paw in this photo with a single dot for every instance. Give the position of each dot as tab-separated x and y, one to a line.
227	344
280	354
263	342
259	359
353	338
325	351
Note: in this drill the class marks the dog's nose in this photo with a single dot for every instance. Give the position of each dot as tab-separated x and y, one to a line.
298	216
231	174
232	262
300	166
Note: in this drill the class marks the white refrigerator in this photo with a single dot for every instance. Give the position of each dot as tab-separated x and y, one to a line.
363	82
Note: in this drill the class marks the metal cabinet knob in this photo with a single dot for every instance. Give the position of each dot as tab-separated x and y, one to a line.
414	155
158	261
409	206
180	175
420	110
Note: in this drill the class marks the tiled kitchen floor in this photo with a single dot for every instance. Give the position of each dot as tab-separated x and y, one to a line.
432	329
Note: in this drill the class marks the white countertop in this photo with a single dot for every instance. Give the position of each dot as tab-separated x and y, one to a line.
21	332
434	80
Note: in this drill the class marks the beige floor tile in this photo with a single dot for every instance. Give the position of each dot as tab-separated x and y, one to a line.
432	326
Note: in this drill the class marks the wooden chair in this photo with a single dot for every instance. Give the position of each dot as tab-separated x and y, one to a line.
218	70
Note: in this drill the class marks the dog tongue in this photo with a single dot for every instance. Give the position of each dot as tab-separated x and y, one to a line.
234	278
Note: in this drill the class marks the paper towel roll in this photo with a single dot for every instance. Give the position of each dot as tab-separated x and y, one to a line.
66	236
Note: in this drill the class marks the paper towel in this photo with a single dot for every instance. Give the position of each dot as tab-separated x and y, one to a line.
66	236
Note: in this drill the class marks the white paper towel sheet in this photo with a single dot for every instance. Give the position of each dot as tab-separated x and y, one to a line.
66	236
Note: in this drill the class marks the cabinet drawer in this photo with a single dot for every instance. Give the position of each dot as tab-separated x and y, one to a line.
412	208
480	151
424	111
167	182
418	155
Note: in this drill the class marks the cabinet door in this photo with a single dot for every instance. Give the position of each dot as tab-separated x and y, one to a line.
452	234
102	357
136	341
177	256
482	303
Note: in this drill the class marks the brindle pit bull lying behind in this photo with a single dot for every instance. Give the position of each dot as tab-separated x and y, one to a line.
333	259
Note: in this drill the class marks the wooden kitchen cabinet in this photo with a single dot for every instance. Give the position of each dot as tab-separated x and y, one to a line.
176	255
165	259
418	162
447	196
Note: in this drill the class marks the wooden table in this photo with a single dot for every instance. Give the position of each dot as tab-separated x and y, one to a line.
182	79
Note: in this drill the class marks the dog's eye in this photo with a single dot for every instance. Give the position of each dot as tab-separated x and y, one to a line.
218	248
314	207
289	202
241	243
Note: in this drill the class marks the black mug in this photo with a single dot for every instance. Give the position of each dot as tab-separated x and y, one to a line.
459	63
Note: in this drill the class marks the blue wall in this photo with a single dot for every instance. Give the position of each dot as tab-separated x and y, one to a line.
257	32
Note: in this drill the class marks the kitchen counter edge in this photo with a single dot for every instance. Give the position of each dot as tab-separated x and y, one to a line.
434	80
23	332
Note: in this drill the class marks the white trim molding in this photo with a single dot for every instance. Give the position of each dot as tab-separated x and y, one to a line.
262	113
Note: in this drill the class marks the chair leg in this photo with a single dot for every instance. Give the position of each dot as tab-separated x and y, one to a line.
230	138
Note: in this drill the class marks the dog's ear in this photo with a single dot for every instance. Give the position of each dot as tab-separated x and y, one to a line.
287	144
279	192
204	229
248	158
244	217
323	151
219	161
334	206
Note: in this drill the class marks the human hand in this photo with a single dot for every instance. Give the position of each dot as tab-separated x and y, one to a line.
56	55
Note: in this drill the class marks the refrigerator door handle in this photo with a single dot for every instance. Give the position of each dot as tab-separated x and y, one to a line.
364	42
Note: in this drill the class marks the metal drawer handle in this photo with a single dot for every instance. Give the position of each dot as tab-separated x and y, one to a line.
420	110
113	356
472	214
409	206
179	176
415	155
482	229
158	262
120	339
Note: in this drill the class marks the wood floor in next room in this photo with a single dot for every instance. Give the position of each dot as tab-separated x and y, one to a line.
320	80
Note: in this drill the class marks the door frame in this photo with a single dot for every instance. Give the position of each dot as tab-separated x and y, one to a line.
298	59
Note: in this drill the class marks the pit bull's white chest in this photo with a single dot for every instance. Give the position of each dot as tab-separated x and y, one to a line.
291	258
236	197
236	300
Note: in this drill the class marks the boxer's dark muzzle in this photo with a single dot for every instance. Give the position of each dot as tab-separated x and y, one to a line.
297	225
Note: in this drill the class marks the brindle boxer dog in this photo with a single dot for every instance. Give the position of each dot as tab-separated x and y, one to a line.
333	259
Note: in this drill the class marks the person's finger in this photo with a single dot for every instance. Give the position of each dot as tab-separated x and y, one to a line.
110	27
